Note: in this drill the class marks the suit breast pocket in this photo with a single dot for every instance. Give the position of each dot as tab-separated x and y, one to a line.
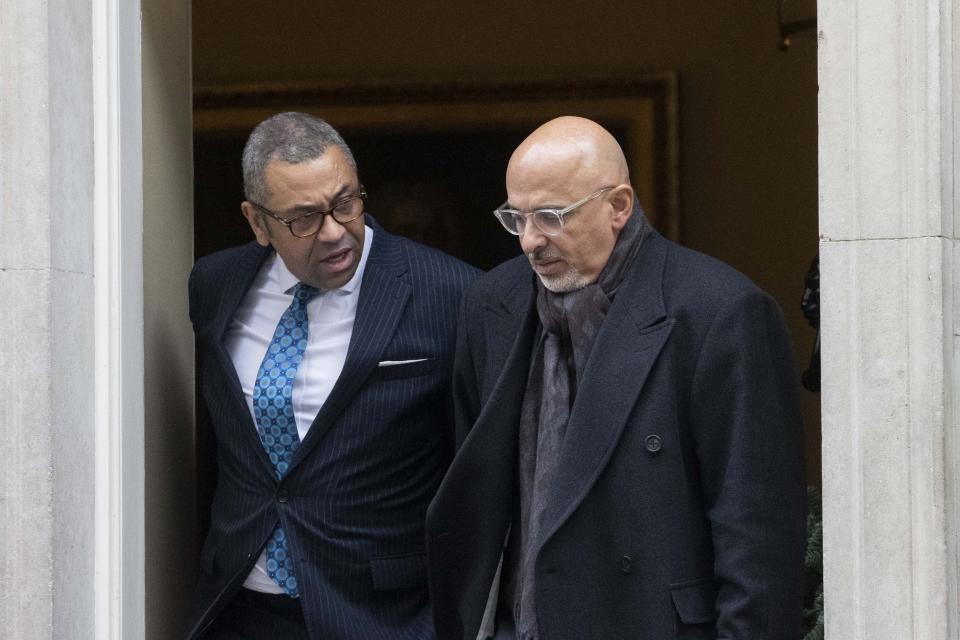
395	370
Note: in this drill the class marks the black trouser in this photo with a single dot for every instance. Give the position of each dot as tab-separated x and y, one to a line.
252	615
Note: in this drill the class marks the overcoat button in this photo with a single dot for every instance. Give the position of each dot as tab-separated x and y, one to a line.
653	442
626	564
283	496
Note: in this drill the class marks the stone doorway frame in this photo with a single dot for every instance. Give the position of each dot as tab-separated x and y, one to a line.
73	126
891	452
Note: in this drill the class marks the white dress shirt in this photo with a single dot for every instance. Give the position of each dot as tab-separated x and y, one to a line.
330	317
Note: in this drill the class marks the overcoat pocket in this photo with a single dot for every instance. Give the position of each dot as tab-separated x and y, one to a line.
695	603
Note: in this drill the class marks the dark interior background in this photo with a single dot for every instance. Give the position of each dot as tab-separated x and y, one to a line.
747	116
747	120
436	188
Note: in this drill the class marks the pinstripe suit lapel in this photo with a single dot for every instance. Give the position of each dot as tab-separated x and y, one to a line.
231	295
233	289
384	293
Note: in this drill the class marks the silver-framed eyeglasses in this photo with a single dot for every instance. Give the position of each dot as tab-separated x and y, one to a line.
308	224
548	221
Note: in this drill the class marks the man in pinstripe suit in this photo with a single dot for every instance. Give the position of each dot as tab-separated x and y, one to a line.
325	354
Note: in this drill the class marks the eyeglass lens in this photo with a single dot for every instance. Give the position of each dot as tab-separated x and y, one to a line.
345	211
546	221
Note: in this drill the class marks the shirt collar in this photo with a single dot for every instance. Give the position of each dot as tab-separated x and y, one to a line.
280	279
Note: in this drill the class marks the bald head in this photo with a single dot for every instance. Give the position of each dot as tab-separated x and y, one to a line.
570	162
570	150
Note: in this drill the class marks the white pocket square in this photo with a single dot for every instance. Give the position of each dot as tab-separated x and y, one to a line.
394	363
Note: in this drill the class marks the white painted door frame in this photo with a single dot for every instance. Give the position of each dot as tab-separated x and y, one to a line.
118	298
891	448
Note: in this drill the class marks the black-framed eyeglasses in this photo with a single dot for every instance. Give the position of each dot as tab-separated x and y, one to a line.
548	221
307	224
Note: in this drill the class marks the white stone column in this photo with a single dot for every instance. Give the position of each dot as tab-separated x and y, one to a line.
46	321
71	486
887	204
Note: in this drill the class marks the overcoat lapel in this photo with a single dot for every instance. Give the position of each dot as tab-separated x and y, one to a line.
629	341
232	294
510	331
384	293
509	336
486	461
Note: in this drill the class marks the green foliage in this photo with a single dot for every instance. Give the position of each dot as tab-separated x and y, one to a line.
813	596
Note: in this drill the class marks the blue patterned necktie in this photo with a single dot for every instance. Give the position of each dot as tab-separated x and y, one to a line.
273	410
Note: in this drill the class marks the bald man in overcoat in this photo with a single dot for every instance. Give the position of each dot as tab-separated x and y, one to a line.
629	444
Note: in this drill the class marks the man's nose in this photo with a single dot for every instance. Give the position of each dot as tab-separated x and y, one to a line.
531	238
330	230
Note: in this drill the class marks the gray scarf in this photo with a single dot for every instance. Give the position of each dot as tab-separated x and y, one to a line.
570	323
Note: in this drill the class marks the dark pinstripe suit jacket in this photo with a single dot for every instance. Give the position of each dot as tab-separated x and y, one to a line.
354	499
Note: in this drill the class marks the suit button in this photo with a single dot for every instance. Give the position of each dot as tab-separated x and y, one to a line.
626	564
283	496
653	443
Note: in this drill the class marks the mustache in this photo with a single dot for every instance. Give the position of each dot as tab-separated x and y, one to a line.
541	255
347	242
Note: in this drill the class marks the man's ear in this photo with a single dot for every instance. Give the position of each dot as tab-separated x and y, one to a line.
257	223
621	201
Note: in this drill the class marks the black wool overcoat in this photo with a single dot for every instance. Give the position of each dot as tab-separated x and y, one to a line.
678	510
